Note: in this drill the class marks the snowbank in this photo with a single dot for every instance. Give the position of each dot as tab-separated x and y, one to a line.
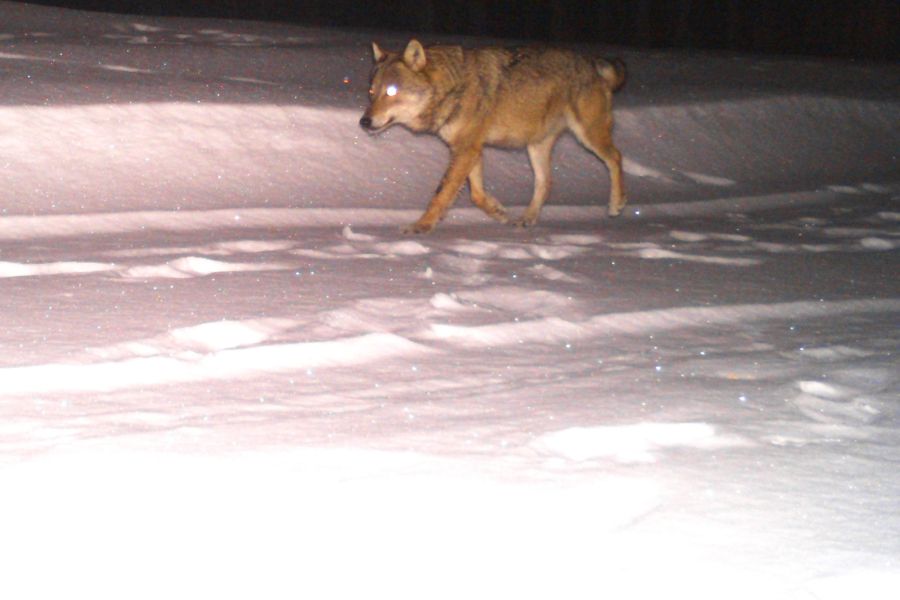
224	373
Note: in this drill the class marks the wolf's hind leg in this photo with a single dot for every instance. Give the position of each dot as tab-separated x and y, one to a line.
539	154
482	199
592	125
613	159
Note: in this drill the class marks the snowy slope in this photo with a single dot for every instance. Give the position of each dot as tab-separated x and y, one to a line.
225	373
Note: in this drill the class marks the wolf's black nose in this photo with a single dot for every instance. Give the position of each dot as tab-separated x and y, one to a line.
365	122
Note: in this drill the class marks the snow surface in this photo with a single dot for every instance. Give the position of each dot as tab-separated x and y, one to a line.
224	373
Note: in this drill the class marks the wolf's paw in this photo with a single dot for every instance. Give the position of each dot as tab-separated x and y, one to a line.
615	210
418	227
499	216
525	222
491	207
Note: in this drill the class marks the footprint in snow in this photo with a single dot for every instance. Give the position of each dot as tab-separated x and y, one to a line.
639	443
364	246
577	239
663	254
195	266
692	236
837	404
550	274
196	340
516	251
14	269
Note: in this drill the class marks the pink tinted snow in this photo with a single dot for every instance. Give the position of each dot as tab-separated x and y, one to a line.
224	373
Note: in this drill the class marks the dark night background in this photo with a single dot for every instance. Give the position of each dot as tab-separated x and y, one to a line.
853	28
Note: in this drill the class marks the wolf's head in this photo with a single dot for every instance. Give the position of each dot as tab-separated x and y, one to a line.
399	91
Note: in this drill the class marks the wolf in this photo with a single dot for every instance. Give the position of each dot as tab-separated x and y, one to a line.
504	97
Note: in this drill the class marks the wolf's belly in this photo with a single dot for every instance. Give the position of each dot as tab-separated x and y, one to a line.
519	131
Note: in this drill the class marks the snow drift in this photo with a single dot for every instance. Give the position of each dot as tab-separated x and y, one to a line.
223	371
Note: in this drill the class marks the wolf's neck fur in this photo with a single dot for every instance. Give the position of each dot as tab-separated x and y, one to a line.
445	70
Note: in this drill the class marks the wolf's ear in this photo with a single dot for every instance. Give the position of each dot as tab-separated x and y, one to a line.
414	55
377	53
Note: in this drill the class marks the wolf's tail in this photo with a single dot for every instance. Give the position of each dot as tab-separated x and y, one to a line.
613	71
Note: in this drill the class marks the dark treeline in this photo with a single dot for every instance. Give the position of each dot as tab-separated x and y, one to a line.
852	28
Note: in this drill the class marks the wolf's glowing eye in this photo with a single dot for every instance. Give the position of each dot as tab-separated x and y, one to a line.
391	90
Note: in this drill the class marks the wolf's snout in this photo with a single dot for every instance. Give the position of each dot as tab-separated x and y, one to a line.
365	122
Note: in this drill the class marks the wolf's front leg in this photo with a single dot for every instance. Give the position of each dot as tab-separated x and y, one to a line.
461	164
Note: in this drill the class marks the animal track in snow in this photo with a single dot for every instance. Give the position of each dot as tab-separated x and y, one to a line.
516	251
216	249
829	353
179	268
858	394
711	180
660	253
551	274
858	232
14	269
361	245
144	34
640	443
515	300
636	169
876	243
832	403
199	339
780	248
195	266
232	363
691	236
353	236
250	80
387	314
401	248
556	330
577	239
652	251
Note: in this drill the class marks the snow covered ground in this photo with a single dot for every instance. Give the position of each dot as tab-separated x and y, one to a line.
225	373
